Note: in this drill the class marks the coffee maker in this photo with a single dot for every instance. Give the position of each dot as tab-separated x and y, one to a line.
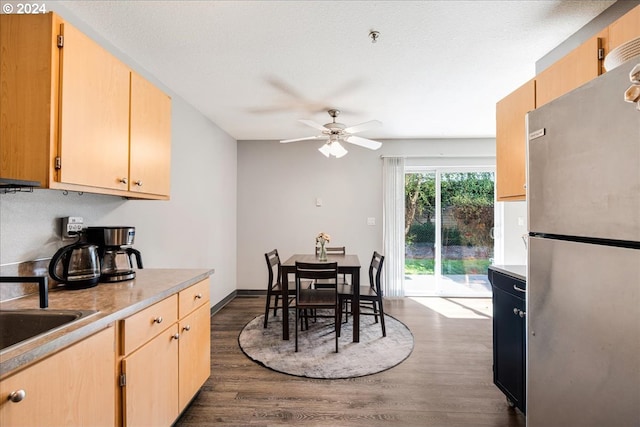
116	253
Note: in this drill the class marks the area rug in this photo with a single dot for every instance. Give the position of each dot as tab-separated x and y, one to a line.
316	356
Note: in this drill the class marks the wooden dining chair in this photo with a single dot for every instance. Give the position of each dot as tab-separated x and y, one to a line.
370	296
335	250
309	299
274	287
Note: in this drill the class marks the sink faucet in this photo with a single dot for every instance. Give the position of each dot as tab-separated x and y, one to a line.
43	286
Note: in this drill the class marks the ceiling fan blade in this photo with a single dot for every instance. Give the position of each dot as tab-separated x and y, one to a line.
284	141
363	126
313	125
363	142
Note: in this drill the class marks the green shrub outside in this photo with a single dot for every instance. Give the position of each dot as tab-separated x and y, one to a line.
426	233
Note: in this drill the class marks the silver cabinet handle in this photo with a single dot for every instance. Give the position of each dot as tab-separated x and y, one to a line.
17	396
157	320
138	183
519	312
519	289
198	296
175	336
187	328
123	180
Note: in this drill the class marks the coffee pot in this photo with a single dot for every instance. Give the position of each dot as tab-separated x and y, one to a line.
116	254
80	265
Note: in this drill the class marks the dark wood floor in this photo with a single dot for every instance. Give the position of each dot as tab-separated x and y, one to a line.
447	380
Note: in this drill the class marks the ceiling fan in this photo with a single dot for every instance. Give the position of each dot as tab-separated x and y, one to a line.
335	133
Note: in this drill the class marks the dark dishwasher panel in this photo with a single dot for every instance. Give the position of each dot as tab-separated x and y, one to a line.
509	337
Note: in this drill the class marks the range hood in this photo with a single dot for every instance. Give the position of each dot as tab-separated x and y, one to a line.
8	185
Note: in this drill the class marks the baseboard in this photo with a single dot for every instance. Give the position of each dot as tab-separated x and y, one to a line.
251	292
238	293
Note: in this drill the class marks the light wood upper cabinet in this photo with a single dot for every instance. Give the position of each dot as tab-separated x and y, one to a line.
76	118
150	153
626	28
511	142
94	114
82	395
29	64
571	71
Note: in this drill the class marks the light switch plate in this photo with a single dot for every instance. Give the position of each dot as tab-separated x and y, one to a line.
371	221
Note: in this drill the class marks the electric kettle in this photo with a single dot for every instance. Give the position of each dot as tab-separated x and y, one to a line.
80	265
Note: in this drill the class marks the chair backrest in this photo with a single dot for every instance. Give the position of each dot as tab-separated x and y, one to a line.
336	250
273	259
315	271
375	271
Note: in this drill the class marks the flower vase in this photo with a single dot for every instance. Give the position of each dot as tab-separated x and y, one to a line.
323	253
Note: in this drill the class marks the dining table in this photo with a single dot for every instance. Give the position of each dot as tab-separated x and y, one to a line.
348	264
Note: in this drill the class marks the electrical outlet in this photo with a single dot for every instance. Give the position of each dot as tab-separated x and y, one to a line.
71	226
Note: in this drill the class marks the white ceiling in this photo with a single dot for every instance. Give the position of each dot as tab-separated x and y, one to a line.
256	67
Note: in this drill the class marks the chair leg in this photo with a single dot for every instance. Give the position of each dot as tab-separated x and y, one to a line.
384	330
275	307
337	313
374	306
296	328
339	319
266	310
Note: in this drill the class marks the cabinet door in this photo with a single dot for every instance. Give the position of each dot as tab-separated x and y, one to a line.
624	29
195	353
150	393
511	142
94	114
150	161
81	394
28	99
574	69
508	346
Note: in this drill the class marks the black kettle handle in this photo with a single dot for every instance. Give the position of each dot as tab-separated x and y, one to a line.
131	251
56	258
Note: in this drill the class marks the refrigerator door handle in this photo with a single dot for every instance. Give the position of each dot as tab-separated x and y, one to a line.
519	289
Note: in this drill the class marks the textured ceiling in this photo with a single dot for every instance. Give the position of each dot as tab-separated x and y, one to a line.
256	67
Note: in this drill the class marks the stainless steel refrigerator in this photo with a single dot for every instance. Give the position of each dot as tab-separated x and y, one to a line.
583	277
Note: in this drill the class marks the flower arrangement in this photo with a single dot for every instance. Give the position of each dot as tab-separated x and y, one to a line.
321	240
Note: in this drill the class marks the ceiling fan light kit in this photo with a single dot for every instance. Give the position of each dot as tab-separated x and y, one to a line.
335	133
333	148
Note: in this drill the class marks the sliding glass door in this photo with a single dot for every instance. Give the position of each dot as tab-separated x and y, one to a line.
449	223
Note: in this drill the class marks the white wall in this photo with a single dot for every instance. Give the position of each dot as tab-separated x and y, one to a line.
195	229
278	185
514	226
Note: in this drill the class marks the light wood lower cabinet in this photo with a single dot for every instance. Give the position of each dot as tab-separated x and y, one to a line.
74	387
165	357
195	353
151	381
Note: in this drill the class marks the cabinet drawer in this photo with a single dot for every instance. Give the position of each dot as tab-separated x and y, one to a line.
193	297
508	284
146	324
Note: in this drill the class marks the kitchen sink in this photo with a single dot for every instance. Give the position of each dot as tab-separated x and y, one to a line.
17	326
